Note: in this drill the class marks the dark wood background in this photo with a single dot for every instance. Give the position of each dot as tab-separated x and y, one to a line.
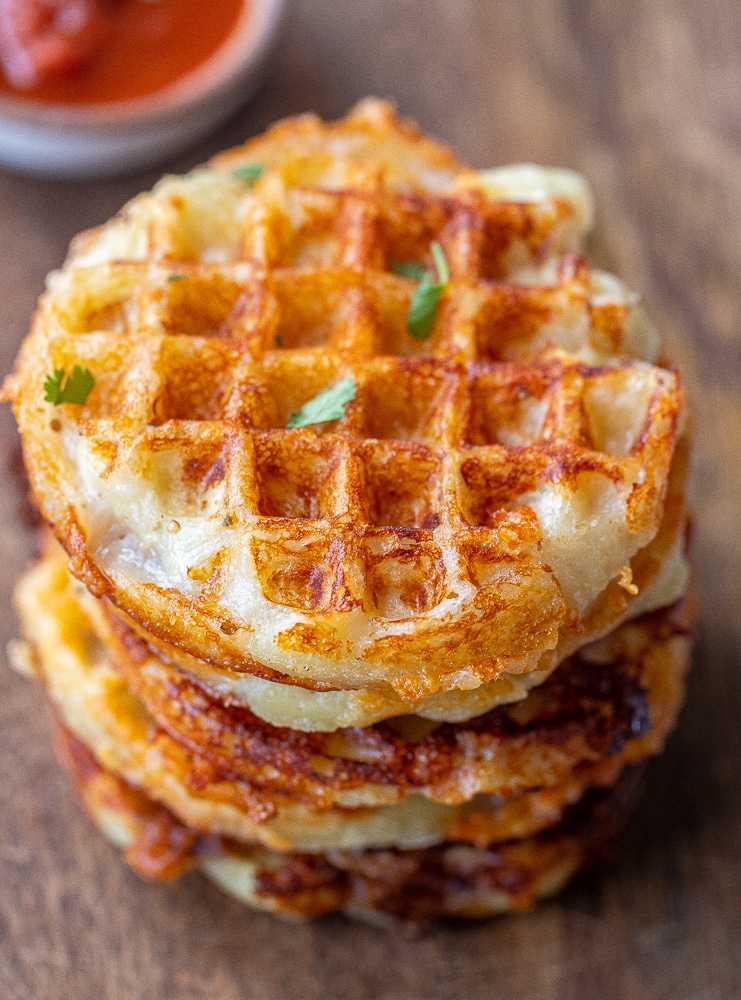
643	96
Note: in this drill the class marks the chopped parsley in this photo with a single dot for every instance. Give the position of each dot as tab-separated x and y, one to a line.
249	173
329	404
177	277
421	316
278	340
74	389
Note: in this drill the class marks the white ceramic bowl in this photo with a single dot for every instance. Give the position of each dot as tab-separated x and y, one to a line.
121	136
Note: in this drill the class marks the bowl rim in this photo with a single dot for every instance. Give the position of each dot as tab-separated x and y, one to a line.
242	51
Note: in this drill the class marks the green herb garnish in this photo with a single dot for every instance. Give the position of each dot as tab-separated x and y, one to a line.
421	317
329	404
248	173
443	272
177	277
278	340
76	387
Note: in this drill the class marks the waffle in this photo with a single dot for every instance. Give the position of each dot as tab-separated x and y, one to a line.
222	773
412	886
659	572
469	514
405	658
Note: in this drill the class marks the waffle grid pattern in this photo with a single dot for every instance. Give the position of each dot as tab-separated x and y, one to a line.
215	357
209	312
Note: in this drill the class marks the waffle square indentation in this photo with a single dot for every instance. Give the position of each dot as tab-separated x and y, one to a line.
403	485
296	482
405	576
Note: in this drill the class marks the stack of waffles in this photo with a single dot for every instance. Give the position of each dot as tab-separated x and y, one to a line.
402	651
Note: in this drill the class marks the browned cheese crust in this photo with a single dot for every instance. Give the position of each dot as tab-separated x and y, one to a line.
619	697
412	886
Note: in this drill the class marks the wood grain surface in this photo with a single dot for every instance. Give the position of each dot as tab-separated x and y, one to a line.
643	96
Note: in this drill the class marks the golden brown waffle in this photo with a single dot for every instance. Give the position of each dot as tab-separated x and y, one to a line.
483	488
659	572
357	788
619	695
412	885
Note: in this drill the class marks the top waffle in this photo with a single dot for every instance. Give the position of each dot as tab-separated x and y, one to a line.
482	492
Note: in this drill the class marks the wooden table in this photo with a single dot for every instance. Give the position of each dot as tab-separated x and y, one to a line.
644	98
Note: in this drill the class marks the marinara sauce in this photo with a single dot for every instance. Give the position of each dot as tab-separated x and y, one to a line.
123	49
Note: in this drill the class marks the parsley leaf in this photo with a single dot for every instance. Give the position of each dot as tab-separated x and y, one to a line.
177	277
278	340
249	173
443	272
329	404
76	387
421	317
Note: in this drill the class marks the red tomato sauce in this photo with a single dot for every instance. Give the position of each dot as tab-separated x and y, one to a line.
115	49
